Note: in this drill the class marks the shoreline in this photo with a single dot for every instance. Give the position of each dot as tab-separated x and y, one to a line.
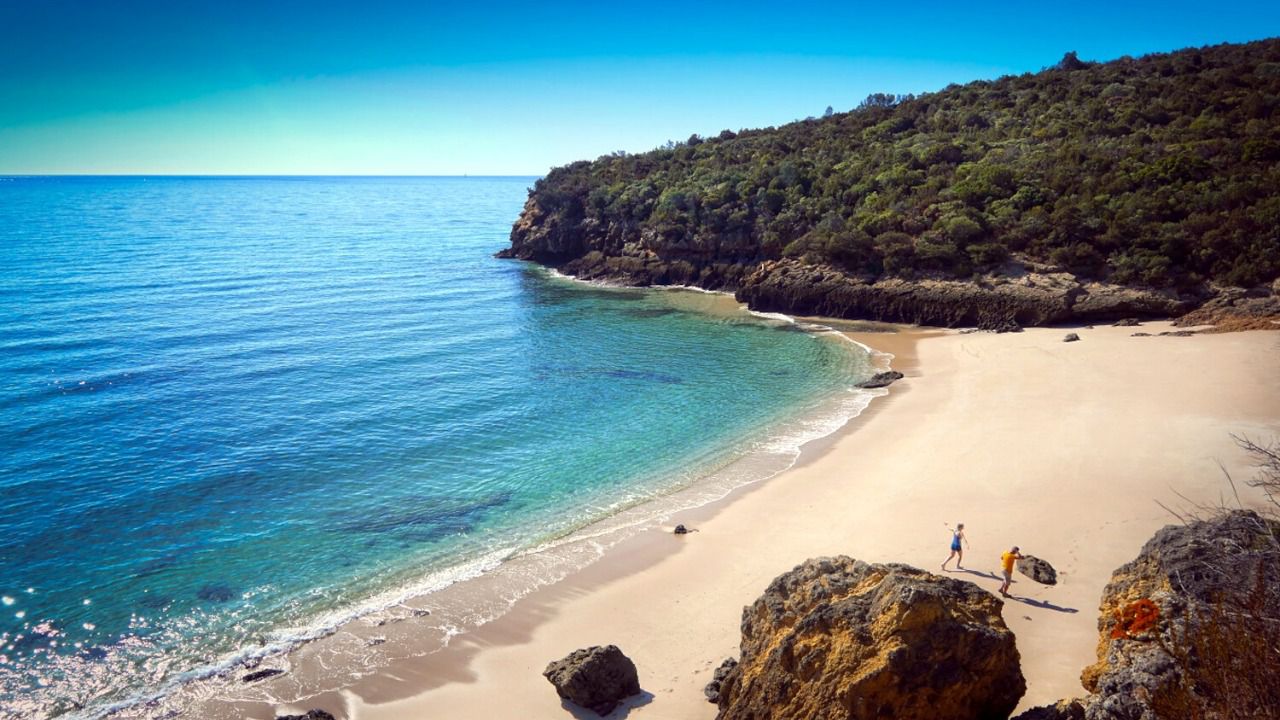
417	619
672	603
676	612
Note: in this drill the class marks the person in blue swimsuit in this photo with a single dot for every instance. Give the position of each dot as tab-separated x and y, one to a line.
957	552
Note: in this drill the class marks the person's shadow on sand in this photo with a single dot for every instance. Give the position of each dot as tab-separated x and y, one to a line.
979	573
1024	600
1042	604
644	698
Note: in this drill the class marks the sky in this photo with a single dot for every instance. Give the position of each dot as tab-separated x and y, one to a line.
503	88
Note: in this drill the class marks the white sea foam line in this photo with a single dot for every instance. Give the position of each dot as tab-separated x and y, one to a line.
284	640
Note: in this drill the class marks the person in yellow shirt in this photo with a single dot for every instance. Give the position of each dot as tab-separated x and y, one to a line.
1006	563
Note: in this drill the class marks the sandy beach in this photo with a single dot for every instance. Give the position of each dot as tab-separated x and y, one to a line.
1066	449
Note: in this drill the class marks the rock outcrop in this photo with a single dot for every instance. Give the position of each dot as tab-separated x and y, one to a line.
1039	570
841	638
1005	301
597	678
1191	628
1237	309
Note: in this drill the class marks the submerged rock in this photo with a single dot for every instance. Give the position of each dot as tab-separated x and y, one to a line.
216	593
1038	570
841	638
596	678
881	379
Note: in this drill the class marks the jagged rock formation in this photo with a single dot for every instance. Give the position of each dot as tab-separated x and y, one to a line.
992	302
841	638
597	678
712	690
1039	570
1191	627
1236	309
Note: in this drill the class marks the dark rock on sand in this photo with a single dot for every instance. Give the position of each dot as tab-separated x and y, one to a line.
1038	570
1127	322
841	638
1071	337
311	715
261	675
1140	334
1062	710
681	530
596	678
881	379
712	690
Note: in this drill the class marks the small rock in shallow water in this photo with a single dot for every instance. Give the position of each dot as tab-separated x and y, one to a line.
681	530
879	380
262	675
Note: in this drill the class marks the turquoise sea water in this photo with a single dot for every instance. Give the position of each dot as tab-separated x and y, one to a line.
232	407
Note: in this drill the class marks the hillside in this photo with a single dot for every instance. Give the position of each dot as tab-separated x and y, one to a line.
1084	191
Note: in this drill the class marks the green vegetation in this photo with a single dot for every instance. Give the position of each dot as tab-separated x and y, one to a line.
1162	171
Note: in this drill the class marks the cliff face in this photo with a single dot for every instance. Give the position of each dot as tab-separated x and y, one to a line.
1086	192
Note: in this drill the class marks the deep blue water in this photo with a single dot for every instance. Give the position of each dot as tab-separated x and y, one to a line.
230	406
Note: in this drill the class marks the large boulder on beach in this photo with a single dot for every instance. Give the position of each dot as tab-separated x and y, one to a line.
1191	627
597	678
841	638
1038	570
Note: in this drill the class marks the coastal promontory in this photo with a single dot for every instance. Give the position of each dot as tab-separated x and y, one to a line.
1139	187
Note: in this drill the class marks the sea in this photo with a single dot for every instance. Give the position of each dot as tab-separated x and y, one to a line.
239	414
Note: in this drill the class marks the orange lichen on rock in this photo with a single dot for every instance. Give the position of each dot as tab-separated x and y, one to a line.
1136	617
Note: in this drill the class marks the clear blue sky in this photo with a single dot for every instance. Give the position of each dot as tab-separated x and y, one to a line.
503	88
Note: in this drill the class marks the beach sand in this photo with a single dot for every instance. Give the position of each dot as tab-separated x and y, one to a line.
1066	449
